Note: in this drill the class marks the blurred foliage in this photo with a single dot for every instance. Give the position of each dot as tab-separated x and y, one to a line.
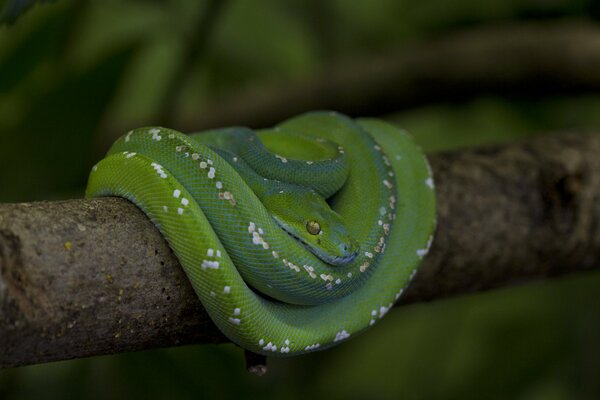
10	10
73	71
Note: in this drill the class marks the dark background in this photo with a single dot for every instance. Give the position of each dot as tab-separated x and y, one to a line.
74	75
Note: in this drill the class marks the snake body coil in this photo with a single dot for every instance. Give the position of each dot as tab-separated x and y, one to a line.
294	238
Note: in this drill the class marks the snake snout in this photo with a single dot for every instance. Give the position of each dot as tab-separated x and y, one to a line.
348	252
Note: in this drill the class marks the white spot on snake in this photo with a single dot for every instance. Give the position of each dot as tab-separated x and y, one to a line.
130	155
324	277
310	162
261	231
374	312
376	147
386	228
159	170
203	164
94	168
165	208
308	268
176	193
270	346
412	274
429	182
209	264
180	211
364	266
285	349
380	222
226	289
275	254
369	254
399	293
257	239
391	173
383	310
387	184
349	274
287	342
212	293
398	157
423	252
219	185
235	159
236	311
329	286
338	281
209	161
195	156
218	253
235	321
312	347
283	159
371	322
171	136
179	148
291	265
341	336
185	201
261	342
155	134
128	136
210	252
211	173
382	211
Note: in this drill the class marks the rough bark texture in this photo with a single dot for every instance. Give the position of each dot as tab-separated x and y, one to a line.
90	277
527	60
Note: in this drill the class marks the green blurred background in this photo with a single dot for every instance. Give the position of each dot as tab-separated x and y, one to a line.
73	72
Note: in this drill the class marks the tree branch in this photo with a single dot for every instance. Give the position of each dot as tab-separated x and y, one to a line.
90	277
527	60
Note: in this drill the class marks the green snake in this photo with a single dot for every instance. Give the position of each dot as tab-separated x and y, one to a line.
294	238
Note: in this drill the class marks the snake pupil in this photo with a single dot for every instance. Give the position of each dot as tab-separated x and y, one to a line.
313	227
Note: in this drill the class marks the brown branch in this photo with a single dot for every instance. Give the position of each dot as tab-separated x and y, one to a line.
528	60
90	277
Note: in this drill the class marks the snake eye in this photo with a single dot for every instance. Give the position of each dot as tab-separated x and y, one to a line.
313	227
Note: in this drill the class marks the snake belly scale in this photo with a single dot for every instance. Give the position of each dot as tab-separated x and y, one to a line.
284	268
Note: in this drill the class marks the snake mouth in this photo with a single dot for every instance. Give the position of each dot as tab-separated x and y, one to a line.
327	258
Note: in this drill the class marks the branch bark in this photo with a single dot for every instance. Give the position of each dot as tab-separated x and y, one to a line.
527	60
90	277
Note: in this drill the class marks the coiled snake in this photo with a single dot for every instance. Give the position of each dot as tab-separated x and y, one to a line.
294	238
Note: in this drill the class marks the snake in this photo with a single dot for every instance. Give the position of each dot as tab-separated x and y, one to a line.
294	238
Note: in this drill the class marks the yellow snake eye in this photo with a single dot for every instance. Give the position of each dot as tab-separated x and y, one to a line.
313	227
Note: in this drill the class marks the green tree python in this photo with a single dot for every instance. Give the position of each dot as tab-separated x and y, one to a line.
294	238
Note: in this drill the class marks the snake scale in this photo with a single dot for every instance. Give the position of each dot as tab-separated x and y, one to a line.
294	238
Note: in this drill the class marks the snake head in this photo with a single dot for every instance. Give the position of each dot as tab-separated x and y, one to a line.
307	217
